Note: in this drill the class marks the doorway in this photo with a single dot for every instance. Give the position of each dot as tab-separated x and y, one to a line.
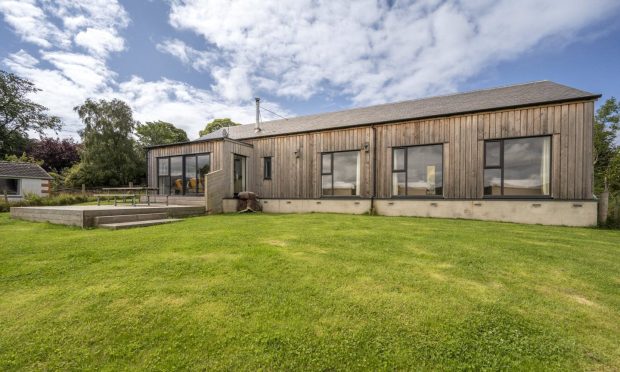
239	173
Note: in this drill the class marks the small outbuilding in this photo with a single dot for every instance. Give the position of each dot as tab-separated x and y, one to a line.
18	179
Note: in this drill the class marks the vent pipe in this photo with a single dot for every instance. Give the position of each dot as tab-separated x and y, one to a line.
257	128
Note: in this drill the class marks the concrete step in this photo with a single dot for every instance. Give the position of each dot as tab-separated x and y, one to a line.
128	225
119	218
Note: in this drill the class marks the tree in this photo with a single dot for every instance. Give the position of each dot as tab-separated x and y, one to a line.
606	127
108	156
159	132
217	124
18	114
23	159
55	153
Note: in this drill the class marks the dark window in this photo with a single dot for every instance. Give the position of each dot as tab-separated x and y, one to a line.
518	167
267	168
417	171
239	170
9	185
340	173
182	175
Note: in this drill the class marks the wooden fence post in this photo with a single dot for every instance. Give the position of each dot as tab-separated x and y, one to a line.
83	189
603	207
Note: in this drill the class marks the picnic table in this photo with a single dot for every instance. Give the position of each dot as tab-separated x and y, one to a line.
124	193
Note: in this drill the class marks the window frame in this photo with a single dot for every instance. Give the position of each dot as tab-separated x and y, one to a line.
331	173
267	177
183	160
18	187
404	171
501	168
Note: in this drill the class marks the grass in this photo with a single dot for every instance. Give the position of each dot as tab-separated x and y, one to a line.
313	291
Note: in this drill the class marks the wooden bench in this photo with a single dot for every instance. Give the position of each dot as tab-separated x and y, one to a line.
121	196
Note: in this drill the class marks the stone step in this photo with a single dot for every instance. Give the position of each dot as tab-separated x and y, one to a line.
128	225
119	218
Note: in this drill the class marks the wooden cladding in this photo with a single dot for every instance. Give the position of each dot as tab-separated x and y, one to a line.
296	158
296	161
569	125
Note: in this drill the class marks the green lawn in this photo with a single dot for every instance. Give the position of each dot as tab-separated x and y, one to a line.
315	291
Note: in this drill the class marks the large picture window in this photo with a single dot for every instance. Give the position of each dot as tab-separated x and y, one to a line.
182	175
417	171
340	173
9	185
517	167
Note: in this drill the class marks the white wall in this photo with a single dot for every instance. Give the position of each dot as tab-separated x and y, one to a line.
28	186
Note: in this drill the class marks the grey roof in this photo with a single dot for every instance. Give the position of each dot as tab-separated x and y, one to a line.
479	100
22	170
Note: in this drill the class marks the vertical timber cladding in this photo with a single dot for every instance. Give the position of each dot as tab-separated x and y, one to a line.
296	161
212	147
569	125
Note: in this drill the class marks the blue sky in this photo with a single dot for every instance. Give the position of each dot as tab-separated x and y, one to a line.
188	62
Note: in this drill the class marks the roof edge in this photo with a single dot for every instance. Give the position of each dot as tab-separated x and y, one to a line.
183	143
499	108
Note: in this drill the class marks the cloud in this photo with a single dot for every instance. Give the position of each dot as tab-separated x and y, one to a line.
75	77
100	41
93	23
374	51
30	23
187	107
367	51
198	60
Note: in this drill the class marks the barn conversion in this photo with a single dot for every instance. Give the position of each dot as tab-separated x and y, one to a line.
18	179
520	153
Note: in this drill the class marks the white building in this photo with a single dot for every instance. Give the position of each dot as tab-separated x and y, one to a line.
18	179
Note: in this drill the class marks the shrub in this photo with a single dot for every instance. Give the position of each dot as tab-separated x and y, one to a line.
32	200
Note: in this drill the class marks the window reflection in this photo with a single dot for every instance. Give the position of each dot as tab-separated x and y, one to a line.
341	173
182	175
523	170
418	171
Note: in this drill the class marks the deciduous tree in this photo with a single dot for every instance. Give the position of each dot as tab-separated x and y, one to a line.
217	124
108	156
57	154
19	114
159	132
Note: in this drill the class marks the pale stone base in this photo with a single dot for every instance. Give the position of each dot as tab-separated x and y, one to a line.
544	212
307	205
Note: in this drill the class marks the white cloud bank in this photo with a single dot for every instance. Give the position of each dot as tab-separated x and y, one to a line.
368	51
374	51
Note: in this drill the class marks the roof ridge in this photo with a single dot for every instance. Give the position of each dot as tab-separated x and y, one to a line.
415	100
493	98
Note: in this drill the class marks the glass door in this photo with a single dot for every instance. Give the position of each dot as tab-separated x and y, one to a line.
238	173
191	181
176	175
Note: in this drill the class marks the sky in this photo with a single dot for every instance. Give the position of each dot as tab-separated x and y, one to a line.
188	62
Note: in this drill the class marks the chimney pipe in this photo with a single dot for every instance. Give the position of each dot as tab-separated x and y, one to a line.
257	128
